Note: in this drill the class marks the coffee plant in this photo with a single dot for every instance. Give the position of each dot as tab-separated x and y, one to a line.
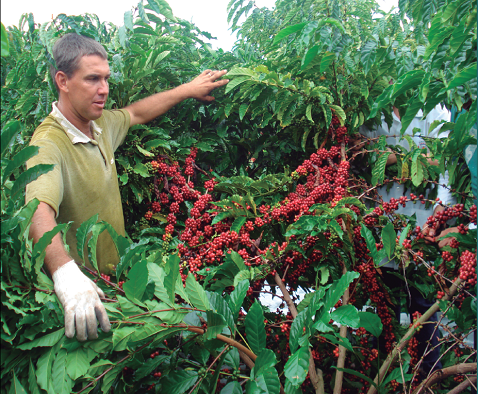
255	234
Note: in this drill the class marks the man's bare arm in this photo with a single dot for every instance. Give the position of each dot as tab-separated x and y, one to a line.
42	222
199	88
79	296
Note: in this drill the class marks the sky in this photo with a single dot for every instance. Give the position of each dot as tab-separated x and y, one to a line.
207	15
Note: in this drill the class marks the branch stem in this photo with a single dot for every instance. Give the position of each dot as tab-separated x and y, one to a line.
339	376
319	389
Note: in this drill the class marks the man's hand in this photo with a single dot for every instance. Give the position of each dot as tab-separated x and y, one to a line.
356	143
431	232
446	233
80	298
201	86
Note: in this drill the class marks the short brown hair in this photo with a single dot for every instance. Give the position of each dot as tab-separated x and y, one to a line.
68	51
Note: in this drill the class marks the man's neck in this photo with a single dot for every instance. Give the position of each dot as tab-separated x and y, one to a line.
81	124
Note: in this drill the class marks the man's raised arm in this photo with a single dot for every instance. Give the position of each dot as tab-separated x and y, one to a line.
145	110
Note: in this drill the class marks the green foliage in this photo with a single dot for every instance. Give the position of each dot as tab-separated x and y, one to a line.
4	41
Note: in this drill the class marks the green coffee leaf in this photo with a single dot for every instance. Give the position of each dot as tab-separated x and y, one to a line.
417	170
235	82
18	161
121	337
44	368
5	48
288	31
220	216
238	223
297	330
128	19
371	322
196	293
241	71
297	366
77	363
325	62
255	331
309	56
62	383
340	113
172	274
265	360
215	324
96	231
28	176
266	381
82	234
237	297
135	286
346	314
220	306
389	239
378	171
16	387
9	131
146	331
32	382
110	378
142	12
289	388
121	242
48	340
127	307
404	234
157	275
463	76
238	260
99	367
371	245
338	340
336	291
368	54
232	388
122	36
179	381
142	170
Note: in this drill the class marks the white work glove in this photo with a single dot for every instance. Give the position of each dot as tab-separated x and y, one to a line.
80	298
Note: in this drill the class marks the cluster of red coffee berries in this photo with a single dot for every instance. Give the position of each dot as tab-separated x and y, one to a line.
468	267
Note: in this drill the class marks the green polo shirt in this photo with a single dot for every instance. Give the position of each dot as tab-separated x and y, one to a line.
84	181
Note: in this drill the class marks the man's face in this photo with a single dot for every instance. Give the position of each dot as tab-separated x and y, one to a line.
88	89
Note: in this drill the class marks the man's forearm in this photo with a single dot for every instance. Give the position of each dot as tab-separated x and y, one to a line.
199	88
42	222
151	107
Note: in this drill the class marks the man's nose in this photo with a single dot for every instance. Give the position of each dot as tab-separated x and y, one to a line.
104	88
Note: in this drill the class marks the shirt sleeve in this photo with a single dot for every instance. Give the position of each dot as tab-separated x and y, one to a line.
47	188
116	122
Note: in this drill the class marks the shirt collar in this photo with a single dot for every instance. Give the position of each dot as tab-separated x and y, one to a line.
73	133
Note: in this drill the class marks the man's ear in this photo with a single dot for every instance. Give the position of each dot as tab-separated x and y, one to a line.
61	80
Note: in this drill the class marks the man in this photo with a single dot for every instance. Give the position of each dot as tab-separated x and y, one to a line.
80	138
